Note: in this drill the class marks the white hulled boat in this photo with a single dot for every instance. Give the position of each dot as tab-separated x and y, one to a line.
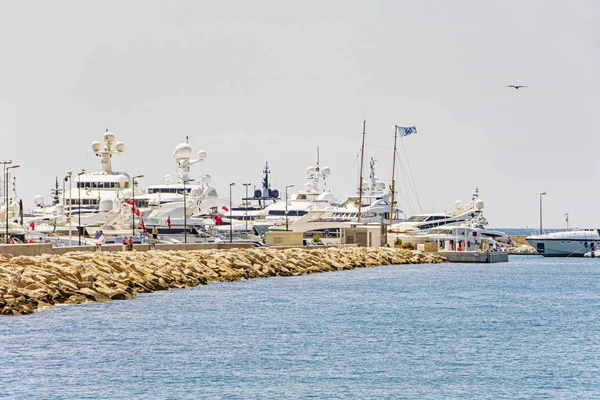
375	208
573	243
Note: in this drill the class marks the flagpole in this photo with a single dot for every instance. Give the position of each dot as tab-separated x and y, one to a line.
362	158
393	176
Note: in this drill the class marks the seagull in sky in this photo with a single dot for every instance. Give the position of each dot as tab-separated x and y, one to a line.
516	86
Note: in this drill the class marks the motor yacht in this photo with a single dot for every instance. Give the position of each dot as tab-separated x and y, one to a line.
375	208
572	243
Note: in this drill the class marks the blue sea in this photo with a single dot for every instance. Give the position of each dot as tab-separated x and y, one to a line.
527	329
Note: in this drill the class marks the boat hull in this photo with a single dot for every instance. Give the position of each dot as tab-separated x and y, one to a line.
562	247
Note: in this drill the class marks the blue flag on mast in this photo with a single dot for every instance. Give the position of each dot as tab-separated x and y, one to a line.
406	130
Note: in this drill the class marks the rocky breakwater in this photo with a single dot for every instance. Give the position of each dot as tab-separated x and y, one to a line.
31	283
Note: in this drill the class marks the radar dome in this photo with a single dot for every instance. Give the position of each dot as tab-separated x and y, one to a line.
202	155
96	146
168	179
38	200
310	170
326	171
195	191
109	137
105	205
182	151
120	146
458	204
381	185
479	204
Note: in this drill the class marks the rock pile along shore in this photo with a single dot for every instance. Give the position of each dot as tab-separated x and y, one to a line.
31	283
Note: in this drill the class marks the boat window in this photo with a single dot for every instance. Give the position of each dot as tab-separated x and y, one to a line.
417	218
212	193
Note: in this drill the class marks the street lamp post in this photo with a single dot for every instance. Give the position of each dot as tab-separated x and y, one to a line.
246	206
69	177
286	205
541	215
79	202
230	216
6	196
185	209
133	200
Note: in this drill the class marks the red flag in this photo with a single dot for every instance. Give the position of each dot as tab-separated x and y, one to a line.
169	222
225	208
218	219
32	225
134	209
143	226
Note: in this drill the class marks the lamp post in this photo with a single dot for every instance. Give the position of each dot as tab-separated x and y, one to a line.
230	216
79	203
133	200
541	194
6	196
286	204
185	209
246	206
69	177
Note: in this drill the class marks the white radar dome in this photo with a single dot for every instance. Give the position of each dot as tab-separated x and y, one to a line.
120	146
38	200
479	204
458	204
109	137
96	146
182	151
195	191
105	205
310	170
202	155
381	185
326	171
168	179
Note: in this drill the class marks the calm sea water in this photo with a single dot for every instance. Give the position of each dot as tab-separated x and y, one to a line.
525	329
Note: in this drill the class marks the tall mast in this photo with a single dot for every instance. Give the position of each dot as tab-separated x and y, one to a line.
362	158
393	173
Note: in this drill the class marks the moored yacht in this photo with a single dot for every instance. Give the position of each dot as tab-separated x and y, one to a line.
181	202
573	243
375	208
471	212
311	198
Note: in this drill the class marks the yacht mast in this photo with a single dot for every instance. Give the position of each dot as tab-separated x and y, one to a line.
393	177
362	158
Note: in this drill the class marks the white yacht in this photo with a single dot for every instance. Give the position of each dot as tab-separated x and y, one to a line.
375	208
182	202
465	216
310	198
471	212
92	197
573	243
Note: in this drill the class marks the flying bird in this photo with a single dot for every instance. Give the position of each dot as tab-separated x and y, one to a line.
516	86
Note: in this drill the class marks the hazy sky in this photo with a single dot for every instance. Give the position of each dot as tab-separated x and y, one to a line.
251	81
